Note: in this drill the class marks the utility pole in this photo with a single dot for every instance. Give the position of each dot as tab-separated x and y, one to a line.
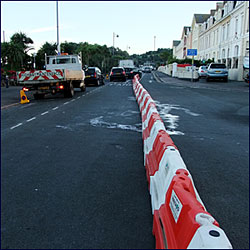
57	19
3	36
154	42
114	35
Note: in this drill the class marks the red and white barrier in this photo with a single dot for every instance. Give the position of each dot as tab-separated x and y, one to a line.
180	217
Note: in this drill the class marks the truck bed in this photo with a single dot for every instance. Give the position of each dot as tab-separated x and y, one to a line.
48	76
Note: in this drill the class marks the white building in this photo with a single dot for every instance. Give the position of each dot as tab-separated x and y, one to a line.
222	36
225	37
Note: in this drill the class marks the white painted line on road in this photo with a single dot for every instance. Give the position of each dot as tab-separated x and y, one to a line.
19	124
31	119
78	97
66	103
73	100
55	108
44	113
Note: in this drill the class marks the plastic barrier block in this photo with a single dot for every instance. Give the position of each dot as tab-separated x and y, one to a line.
140	94
142	102
145	103
170	162
150	104
152	110
141	97
155	123
182	215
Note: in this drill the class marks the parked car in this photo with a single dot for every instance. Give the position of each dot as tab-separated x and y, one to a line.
217	71
117	73
136	71
93	75
128	71
147	69
202	71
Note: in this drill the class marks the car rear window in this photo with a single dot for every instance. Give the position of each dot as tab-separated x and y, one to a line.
203	67
128	69
117	70
90	71
217	66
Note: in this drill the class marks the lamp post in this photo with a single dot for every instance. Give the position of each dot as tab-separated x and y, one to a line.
154	42
114	36
57	21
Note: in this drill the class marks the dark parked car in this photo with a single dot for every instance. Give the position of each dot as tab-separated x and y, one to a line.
136	71
217	71
93	75
128	72
117	73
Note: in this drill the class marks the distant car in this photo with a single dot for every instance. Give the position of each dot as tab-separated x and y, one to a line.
128	72
217	71
147	69
202	71
117	73
136	71
93	75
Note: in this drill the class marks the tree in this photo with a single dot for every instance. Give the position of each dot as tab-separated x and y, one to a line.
47	48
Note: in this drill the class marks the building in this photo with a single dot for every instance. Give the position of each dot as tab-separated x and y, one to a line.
222	36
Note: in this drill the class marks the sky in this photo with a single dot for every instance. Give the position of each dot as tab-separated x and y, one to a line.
135	22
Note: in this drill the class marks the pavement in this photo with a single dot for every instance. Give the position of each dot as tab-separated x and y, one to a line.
230	85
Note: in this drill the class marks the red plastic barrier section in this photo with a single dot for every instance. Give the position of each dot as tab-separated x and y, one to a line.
180	219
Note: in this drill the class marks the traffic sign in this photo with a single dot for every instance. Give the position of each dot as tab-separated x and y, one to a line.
192	52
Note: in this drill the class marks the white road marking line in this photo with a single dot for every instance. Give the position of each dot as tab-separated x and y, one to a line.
55	108
45	113
73	100
78	97
31	119
19	124
66	103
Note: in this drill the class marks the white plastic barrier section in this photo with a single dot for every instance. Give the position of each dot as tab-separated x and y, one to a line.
180	217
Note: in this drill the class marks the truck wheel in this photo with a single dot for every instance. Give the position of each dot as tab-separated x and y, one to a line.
38	96
83	88
69	90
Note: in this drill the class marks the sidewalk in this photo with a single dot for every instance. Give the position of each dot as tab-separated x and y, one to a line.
230	85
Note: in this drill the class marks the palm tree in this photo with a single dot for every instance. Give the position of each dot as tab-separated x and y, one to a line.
19	48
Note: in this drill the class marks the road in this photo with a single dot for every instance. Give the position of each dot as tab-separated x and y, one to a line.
72	170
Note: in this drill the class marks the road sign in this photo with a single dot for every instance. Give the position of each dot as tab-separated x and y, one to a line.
192	52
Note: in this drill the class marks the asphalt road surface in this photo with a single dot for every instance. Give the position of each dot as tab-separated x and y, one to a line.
72	174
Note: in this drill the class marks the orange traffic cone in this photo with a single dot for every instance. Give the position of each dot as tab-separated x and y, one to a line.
24	98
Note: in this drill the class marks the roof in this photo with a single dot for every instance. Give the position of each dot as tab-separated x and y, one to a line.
186	28
176	43
201	18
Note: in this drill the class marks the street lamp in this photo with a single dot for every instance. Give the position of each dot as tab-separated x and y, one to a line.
114	35
57	20
154	42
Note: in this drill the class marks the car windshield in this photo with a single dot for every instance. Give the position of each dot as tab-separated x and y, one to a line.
128	69
90	71
217	66
119	70
203	67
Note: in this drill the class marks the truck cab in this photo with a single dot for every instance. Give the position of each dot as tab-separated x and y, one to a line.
64	61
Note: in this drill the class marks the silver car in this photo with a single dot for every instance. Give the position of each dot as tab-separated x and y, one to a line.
217	71
202	71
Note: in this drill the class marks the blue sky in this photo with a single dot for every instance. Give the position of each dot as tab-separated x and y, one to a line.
136	22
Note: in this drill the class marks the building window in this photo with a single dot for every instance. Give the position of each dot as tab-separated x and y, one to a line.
235	58
228	27
236	26
223	32
242	24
